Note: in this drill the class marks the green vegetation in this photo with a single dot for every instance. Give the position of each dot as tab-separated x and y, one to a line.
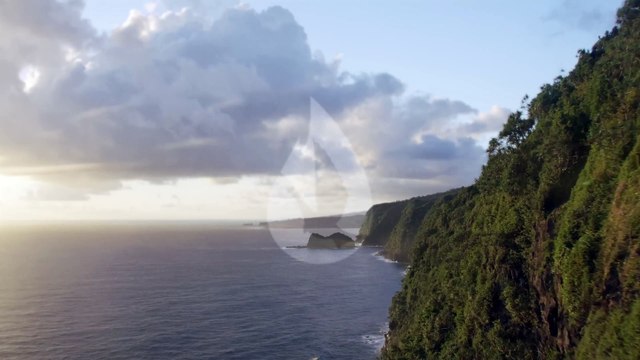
395	225
379	222
540	258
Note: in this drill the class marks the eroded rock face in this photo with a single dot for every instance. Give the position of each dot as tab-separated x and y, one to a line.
333	241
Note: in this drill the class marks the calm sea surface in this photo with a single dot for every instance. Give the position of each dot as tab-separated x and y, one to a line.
185	291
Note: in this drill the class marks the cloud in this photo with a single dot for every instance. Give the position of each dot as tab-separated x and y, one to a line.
46	20
170	96
488	122
177	95
585	15
408	139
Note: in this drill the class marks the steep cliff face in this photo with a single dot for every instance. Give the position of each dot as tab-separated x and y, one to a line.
379	222
394	225
540	258
400	243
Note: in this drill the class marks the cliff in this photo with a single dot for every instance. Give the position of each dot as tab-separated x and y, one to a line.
394	225
540	258
378	223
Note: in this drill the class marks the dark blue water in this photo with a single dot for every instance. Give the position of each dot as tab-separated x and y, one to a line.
184	292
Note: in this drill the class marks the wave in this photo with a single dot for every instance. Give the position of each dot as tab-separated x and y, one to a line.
406	270
376	340
381	257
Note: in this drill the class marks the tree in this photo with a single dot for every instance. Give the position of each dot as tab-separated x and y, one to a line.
516	129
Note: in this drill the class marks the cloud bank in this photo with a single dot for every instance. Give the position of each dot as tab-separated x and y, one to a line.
178	95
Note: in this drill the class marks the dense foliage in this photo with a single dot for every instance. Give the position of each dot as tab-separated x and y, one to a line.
395	225
540	258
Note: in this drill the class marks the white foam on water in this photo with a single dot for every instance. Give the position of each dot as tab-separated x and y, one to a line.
376	340
380	257
406	270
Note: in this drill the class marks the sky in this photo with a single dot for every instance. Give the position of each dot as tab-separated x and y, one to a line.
186	109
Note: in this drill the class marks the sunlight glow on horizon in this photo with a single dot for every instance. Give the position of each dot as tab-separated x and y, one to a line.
25	199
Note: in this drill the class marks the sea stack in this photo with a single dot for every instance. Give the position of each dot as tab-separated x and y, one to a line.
333	241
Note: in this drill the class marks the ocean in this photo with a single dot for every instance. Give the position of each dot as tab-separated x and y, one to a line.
185	291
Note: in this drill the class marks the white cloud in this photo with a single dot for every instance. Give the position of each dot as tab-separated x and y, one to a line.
177	96
485	124
29	76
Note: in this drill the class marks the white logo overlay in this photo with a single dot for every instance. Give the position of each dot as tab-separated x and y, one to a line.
320	175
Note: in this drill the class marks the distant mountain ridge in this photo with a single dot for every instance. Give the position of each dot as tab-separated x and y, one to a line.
348	221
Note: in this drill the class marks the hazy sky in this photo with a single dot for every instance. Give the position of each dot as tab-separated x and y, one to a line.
193	110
